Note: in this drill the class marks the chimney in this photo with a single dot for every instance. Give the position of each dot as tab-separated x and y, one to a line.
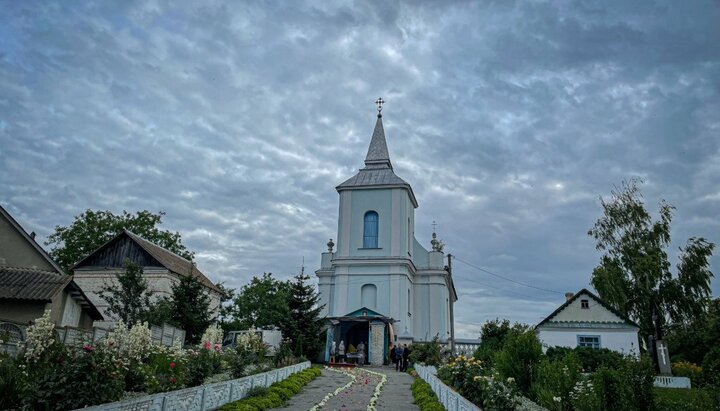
32	235
568	296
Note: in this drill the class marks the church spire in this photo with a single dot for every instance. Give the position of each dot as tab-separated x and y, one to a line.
378	155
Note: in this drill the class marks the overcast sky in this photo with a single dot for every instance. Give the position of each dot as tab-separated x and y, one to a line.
238	119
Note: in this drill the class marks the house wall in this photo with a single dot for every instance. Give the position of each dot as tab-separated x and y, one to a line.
160	282
17	252
624	340
22	311
595	312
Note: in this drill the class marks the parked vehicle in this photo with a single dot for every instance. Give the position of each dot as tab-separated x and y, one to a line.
272	338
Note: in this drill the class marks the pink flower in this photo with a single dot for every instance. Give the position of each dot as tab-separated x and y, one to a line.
88	348
207	345
172	365
217	347
172	380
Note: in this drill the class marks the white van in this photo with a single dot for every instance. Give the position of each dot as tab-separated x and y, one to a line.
272	338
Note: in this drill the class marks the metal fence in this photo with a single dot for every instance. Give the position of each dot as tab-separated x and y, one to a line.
202	398
451	400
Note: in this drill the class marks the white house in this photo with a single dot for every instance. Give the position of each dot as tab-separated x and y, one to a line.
584	320
381	286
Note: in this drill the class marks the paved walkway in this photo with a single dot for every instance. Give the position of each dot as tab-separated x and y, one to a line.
394	396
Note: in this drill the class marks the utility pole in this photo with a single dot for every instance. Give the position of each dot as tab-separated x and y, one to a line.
452	303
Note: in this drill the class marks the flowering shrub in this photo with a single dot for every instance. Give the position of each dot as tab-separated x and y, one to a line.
555	382
212	335
40	337
688	369
165	370
481	385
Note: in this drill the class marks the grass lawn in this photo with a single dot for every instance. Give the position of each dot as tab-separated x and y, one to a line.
695	399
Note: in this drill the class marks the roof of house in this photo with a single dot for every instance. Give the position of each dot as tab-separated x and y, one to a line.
31	240
378	171
167	258
625	319
20	283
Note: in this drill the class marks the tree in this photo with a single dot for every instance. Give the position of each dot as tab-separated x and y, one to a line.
128	299
692	340
92	229
492	338
305	325
634	272
262	303
190	306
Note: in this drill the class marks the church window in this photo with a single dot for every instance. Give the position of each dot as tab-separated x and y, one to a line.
368	295
585	304
370	230
591	341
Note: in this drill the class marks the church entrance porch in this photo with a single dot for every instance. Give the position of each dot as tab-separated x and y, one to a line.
360	337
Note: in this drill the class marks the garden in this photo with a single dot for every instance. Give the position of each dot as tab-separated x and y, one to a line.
49	375
509	371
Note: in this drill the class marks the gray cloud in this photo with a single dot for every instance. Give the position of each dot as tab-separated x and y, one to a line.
238	119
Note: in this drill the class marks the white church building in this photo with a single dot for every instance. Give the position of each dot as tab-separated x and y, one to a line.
381	286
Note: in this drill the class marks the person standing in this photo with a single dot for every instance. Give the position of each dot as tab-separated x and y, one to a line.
398	358
341	351
392	354
361	351
406	356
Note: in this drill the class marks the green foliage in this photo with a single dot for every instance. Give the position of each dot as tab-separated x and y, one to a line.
190	308
479	384
12	383
163	373
92	229
691	340
689	370
260	398
248	354
557	379
428	353
424	396
70	378
284	355
627	388
518	359
590	358
673	399
201	364
634	272
128	299
305	326
492	338
262	303
711	367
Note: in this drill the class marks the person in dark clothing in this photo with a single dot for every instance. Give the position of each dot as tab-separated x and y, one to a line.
392	355
398	358
405	355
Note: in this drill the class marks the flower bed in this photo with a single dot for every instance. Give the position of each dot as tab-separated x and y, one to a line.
274	396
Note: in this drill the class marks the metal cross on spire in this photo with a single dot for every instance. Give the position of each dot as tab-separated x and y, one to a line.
434	224
379	103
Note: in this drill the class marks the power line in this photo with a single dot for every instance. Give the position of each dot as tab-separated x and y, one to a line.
505	278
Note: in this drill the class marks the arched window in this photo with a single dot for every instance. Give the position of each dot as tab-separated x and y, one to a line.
368	295
370	230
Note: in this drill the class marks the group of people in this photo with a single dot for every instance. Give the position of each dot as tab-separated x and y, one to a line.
399	356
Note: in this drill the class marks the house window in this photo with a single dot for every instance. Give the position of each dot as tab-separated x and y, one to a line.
592	341
584	304
370	230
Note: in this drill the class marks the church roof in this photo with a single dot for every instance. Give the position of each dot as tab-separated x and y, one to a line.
378	171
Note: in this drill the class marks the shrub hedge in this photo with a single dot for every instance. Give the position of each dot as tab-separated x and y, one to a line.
672	399
274	396
424	396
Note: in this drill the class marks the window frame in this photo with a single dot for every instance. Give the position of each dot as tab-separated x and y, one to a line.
592	344
585	304
368	243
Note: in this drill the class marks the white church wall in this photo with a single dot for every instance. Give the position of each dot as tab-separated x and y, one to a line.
624	340
363	201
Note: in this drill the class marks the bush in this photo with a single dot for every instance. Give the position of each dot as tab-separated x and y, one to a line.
478	384
689	370
557	380
590	358
493	335
12	383
711	367
519	358
260	398
629	387
201	364
424	396
426	353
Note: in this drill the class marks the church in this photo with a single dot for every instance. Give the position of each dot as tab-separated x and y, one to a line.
380	286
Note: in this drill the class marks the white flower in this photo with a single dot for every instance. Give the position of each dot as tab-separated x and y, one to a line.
40	336
510	380
213	335
557	399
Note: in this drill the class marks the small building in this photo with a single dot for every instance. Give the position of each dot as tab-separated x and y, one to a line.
161	269
32	282
584	320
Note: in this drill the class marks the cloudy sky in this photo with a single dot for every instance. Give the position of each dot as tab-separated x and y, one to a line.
238	119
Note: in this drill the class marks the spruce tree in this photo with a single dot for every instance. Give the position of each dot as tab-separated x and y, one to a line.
305	323
128	298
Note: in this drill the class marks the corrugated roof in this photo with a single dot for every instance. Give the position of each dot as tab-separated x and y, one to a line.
172	261
31	284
